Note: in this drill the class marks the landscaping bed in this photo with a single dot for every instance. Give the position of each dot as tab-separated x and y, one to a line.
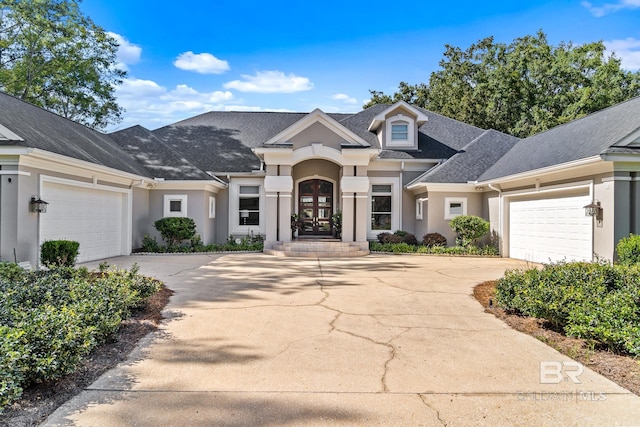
40	400
621	369
62	329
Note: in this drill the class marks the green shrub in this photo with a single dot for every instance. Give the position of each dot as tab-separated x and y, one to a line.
150	244
50	320
10	271
434	239
595	301
59	253
175	229
468	229
628	250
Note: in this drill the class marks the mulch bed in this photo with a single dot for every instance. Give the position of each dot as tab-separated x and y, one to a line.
623	370
40	400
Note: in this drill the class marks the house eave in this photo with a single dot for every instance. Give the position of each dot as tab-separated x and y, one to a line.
41	159
211	186
562	167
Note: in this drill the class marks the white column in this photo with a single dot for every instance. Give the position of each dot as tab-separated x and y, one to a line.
355	190
278	207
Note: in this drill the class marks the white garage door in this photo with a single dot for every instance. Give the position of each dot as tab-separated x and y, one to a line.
93	217
553	229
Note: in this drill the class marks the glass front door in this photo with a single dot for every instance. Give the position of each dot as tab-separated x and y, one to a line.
315	207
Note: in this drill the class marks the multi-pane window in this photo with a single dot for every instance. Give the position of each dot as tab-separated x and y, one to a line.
399	131
381	207
249	205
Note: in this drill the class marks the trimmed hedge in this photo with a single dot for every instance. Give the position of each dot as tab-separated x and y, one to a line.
59	253
469	229
50	320
176	229
247	243
595	301
399	248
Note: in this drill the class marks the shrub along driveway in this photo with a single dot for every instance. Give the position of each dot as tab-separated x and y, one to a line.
380	340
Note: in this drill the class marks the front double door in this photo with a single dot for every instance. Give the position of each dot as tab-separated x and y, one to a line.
315	207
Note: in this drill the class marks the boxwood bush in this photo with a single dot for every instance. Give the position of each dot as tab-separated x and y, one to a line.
175	229
59	253
596	301
50	320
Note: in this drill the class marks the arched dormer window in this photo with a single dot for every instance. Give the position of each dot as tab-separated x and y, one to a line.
400	132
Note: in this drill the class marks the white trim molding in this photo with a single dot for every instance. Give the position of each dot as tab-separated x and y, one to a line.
449	201
169	203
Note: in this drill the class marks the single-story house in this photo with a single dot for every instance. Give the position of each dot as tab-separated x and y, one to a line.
386	168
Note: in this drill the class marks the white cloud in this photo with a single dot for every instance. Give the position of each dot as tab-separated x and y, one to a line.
270	82
128	53
605	9
151	105
344	98
203	63
627	50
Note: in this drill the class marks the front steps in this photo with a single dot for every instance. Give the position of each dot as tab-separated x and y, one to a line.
317	249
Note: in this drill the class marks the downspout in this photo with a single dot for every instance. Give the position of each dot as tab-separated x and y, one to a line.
501	217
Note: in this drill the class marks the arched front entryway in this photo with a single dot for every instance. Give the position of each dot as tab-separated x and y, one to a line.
315	207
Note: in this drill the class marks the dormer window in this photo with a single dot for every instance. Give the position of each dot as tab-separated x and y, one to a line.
400	132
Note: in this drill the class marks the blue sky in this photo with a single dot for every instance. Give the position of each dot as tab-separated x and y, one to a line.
184	59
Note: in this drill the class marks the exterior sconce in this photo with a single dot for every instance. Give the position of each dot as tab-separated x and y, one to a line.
38	205
593	209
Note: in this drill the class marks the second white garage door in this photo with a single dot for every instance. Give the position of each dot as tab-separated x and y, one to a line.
552	229
91	216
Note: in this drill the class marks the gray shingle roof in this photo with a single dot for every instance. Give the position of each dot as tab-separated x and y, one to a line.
155	155
468	164
587	137
47	131
222	141
439	138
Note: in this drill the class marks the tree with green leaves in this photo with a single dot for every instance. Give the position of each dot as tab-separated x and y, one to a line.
53	56
521	88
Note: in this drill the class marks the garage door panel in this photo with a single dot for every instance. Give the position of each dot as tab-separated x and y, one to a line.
552	229
93	217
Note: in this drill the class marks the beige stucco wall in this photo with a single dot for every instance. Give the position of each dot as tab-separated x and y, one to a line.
139	216
435	212
197	208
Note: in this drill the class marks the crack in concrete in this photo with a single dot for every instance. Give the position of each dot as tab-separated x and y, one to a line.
413	291
430	406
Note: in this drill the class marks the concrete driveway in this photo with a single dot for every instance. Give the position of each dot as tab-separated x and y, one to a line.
381	340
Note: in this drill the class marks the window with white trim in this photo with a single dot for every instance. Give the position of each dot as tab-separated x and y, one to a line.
400	132
249	205
381	207
212	207
175	205
454	206
419	215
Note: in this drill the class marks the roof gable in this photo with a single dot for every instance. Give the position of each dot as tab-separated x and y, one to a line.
317	116
399	107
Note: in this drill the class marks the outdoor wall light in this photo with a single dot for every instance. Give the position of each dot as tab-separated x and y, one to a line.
593	209
38	205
